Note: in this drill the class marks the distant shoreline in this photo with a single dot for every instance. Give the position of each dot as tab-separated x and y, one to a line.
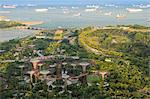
29	23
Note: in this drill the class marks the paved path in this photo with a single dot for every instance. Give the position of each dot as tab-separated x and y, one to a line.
11	61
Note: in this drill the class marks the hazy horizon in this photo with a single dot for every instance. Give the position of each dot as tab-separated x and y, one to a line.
73	2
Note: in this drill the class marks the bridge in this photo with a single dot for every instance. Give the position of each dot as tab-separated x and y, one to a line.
42	58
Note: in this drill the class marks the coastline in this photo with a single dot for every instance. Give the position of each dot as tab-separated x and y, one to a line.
13	33
30	23
18	32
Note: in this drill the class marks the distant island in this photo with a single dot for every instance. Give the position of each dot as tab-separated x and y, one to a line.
8	24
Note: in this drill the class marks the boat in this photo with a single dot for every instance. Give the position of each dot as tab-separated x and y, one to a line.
144	6
76	15
4	12
65	11
133	10
90	9
110	5
108	14
9	6
63	7
51	8
41	10
75	7
92	6
120	16
31	5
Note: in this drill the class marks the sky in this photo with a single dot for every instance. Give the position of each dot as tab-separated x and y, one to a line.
73	2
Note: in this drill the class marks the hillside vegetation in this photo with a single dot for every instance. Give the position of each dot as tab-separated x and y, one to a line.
124	54
118	64
8	24
117	43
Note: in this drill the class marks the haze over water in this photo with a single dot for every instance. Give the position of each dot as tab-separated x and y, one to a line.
56	17
72	13
73	2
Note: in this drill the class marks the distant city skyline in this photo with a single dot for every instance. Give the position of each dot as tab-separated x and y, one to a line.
73	2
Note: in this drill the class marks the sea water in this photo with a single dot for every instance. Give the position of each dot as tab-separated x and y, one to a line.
63	16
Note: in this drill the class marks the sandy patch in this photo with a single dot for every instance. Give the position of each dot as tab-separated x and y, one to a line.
32	23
